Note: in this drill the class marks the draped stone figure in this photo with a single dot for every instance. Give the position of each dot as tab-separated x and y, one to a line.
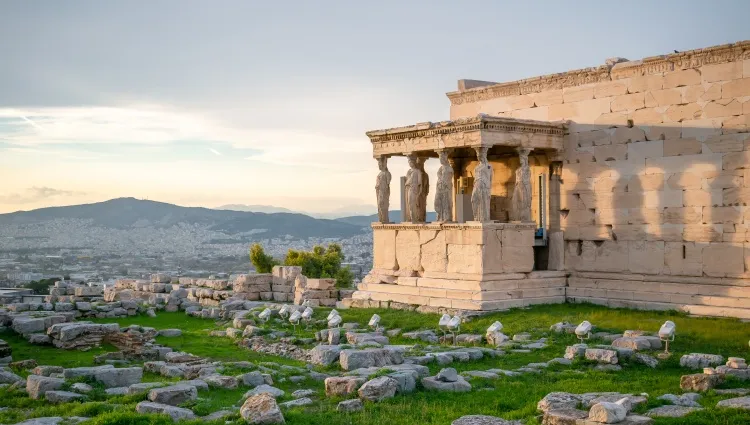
383	189
425	190
444	190
521	205
480	195
413	189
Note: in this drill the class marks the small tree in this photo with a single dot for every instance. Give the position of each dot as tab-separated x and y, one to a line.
263	262
321	263
344	278
41	287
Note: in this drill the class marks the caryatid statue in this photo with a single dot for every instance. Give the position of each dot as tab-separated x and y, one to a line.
444	189
521	204
383	189
480	195
413	189
425	189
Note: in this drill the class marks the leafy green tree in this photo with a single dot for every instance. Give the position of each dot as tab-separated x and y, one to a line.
41	287
321	263
344	278
263	262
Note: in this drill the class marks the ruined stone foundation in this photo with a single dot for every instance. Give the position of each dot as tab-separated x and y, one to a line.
471	266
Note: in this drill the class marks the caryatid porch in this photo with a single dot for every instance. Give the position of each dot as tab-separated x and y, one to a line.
479	254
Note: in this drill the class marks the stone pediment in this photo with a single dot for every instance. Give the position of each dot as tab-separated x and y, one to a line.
481	130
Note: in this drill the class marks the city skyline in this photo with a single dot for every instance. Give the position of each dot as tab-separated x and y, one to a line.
268	104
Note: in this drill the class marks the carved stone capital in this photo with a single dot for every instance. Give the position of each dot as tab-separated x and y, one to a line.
555	168
524	152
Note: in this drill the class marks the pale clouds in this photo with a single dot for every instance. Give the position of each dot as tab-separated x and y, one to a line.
133	124
39	194
174	155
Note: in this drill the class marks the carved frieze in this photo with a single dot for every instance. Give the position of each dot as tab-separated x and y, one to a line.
651	65
465	132
458	226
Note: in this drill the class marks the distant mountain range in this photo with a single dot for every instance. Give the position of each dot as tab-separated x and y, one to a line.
268	209
365	220
125	213
345	211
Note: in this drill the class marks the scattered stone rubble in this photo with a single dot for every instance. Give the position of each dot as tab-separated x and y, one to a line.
370	368
565	408
80	335
630	345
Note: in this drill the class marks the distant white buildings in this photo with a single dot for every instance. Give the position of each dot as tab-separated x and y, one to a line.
24	277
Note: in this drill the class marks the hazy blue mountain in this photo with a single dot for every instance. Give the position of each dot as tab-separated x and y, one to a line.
268	209
366	220
123	213
344	211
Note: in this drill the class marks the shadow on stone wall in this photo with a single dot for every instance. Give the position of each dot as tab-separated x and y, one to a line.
658	200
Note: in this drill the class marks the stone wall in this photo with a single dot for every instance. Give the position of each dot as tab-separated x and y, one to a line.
656	176
472	266
64	291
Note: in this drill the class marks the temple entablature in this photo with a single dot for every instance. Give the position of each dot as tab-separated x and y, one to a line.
479	131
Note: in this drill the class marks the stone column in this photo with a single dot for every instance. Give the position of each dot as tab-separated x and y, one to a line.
413	190
383	189
555	171
444	189
521	205
455	164
555	239
424	190
482	191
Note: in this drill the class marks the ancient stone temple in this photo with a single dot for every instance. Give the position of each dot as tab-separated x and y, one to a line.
623	185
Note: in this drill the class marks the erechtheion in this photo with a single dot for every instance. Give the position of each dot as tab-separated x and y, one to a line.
623	185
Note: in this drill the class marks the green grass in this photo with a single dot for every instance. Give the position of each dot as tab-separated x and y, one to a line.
45	355
507	397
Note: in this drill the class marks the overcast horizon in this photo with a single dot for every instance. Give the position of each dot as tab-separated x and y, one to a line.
268	104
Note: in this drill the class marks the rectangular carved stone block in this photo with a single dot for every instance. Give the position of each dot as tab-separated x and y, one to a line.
518	258
434	253
464	258
676	147
723	259
408	250
384	248
646	257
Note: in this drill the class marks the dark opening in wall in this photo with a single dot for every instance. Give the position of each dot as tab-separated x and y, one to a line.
541	258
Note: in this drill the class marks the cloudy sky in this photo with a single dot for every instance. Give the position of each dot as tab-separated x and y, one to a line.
208	103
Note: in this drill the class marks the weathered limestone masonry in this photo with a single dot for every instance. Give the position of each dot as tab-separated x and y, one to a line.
470	266
482	264
64	291
315	292
647	197
284	284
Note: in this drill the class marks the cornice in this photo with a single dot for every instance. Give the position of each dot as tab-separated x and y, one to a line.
471	225
464	125
647	66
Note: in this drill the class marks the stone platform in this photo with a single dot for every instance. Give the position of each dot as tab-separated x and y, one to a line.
469	266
